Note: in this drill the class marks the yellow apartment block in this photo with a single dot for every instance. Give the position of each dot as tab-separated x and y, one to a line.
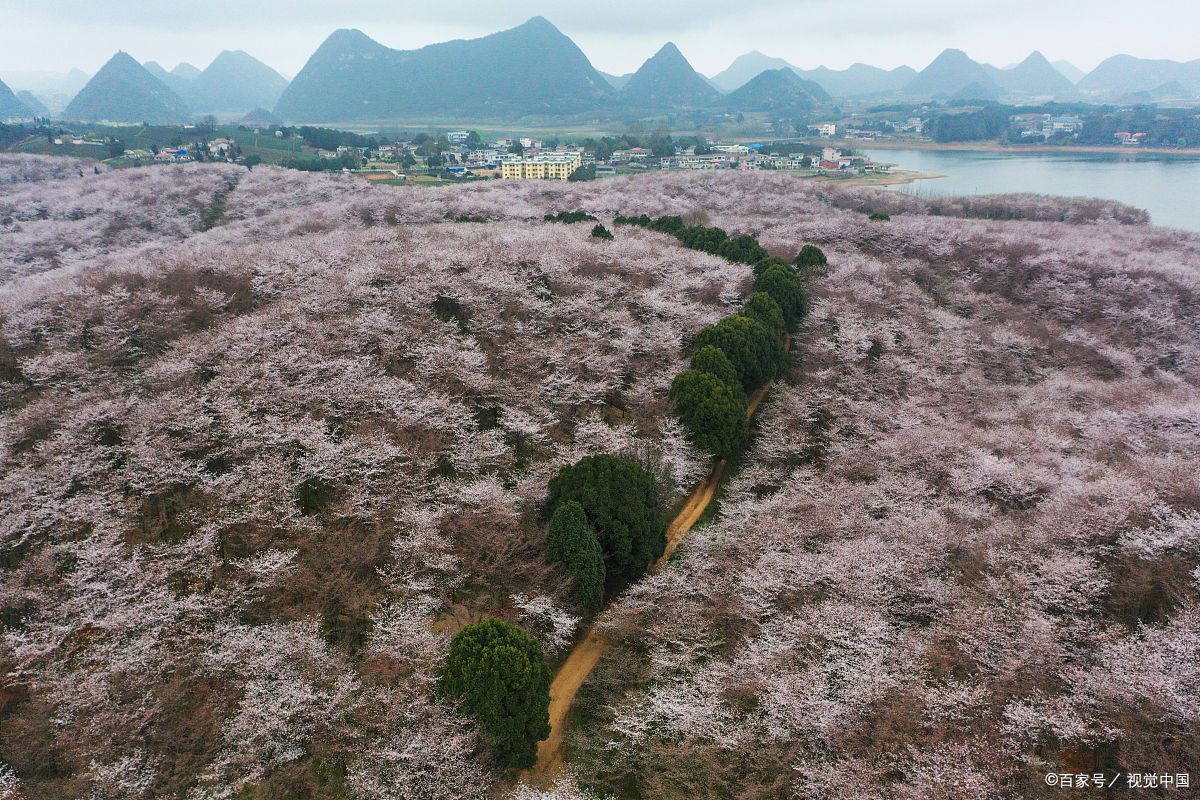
556	167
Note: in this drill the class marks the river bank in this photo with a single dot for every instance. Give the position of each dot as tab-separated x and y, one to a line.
996	147
1165	187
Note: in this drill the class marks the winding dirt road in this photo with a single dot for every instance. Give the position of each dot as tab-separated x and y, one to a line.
594	644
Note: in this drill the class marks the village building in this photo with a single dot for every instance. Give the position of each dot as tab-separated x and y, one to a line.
705	161
542	167
1126	138
1057	125
631	154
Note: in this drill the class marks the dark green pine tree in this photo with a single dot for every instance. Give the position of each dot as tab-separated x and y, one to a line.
698	237
601	232
756	355
810	256
713	360
622	505
713	415
762	266
787	289
762	307
498	674
572	543
743	249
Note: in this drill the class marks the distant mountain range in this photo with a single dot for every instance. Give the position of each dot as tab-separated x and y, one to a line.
859	80
52	89
1069	71
745	67
536	70
125	91
950	72
1034	77
32	102
976	91
186	71
46	83
779	91
667	80
1124	74
855	81
1122	78
953	74
235	82
11	106
1171	91
530	69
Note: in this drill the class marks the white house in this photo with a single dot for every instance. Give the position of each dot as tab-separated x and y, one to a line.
632	154
1062	125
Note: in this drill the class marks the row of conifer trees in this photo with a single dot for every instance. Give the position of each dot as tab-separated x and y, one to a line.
606	524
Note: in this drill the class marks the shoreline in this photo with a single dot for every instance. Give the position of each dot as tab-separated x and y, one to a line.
897	177
995	147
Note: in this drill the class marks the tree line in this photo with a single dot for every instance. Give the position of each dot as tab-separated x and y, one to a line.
606	523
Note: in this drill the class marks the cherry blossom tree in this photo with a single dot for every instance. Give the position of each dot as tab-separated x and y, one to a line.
254	478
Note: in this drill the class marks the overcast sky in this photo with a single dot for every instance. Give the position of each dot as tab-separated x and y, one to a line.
617	35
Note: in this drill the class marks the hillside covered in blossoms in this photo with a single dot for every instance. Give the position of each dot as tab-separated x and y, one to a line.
270	439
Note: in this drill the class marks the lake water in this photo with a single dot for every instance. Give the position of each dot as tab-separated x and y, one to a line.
1167	187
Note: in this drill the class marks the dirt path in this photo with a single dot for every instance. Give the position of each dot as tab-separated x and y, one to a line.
587	653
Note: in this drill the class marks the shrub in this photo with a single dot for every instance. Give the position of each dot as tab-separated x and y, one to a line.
569	217
787	289
756	355
743	249
879	216
810	256
498	674
621	502
601	232
713	360
762	307
698	237
573	544
713	415
668	224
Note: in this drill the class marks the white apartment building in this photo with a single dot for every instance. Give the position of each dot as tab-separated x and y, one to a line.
542	167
